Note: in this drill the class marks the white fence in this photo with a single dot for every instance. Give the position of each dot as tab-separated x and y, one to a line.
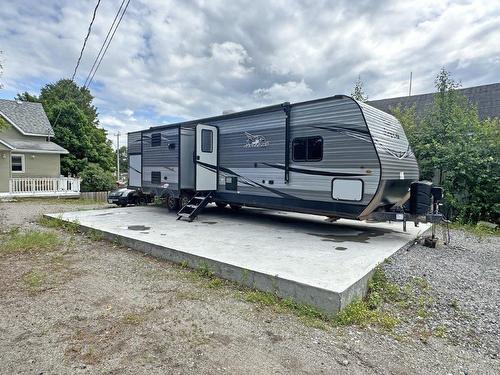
43	186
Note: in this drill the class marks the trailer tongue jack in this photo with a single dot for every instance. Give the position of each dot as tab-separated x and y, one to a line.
422	207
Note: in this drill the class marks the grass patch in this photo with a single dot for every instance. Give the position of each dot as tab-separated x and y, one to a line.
479	229
308	314
19	242
94	235
132	319
59	223
204	270
359	313
33	280
369	311
68	201
215	283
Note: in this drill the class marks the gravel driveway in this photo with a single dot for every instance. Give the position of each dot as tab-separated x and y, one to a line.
97	307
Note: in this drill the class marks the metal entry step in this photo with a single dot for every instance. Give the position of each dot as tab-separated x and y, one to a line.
195	206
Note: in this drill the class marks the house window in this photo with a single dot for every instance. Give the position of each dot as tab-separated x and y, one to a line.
206	140
307	149
17	163
156	178
155	139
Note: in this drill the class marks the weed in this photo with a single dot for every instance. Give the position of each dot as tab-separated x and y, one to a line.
440	331
184	264
244	276
132	318
263	298
60	223
158	201
94	235
33	280
421	283
215	283
307	312
381	290
204	270
359	313
454	304
18	242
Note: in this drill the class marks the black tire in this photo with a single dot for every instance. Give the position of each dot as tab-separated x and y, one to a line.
142	201
184	199
172	203
122	204
221	204
235	207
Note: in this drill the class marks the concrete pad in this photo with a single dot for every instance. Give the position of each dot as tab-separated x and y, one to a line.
300	256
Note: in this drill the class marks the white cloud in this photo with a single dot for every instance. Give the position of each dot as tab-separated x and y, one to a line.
288	91
190	59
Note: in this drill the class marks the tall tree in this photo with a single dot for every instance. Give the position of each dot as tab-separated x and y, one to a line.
75	122
27	97
358	93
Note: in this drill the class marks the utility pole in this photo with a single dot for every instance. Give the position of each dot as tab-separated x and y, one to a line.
118	156
411	76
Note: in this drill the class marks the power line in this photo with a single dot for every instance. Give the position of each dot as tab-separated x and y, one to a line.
109	42
79	57
85	40
103	44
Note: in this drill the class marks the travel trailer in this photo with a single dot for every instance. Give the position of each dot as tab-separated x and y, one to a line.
333	156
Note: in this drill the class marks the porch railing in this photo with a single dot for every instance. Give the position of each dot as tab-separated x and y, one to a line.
44	186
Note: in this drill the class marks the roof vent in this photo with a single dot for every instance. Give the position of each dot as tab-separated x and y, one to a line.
228	111
19	101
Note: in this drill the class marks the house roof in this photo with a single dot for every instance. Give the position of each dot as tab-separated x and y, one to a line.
485	97
35	147
29	118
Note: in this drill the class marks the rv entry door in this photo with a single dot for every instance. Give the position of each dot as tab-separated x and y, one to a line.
206	157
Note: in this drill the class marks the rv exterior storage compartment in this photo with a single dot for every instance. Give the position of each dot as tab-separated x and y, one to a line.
420	197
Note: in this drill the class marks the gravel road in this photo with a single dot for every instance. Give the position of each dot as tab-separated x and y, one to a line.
101	308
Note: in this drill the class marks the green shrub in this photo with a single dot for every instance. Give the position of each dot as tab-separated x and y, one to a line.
459	150
94	178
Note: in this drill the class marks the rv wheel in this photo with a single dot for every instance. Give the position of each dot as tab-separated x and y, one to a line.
184	199
235	207
221	204
172	203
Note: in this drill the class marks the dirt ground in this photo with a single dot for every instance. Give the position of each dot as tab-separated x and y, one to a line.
94	307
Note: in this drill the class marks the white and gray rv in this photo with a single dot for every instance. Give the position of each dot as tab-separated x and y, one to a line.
333	156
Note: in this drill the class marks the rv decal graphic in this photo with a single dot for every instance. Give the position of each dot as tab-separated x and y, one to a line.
254	141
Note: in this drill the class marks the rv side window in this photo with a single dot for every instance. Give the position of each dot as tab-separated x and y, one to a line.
156	178
307	149
206	140
155	139
314	148
299	149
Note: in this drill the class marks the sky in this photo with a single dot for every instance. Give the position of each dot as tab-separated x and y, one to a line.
174	60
